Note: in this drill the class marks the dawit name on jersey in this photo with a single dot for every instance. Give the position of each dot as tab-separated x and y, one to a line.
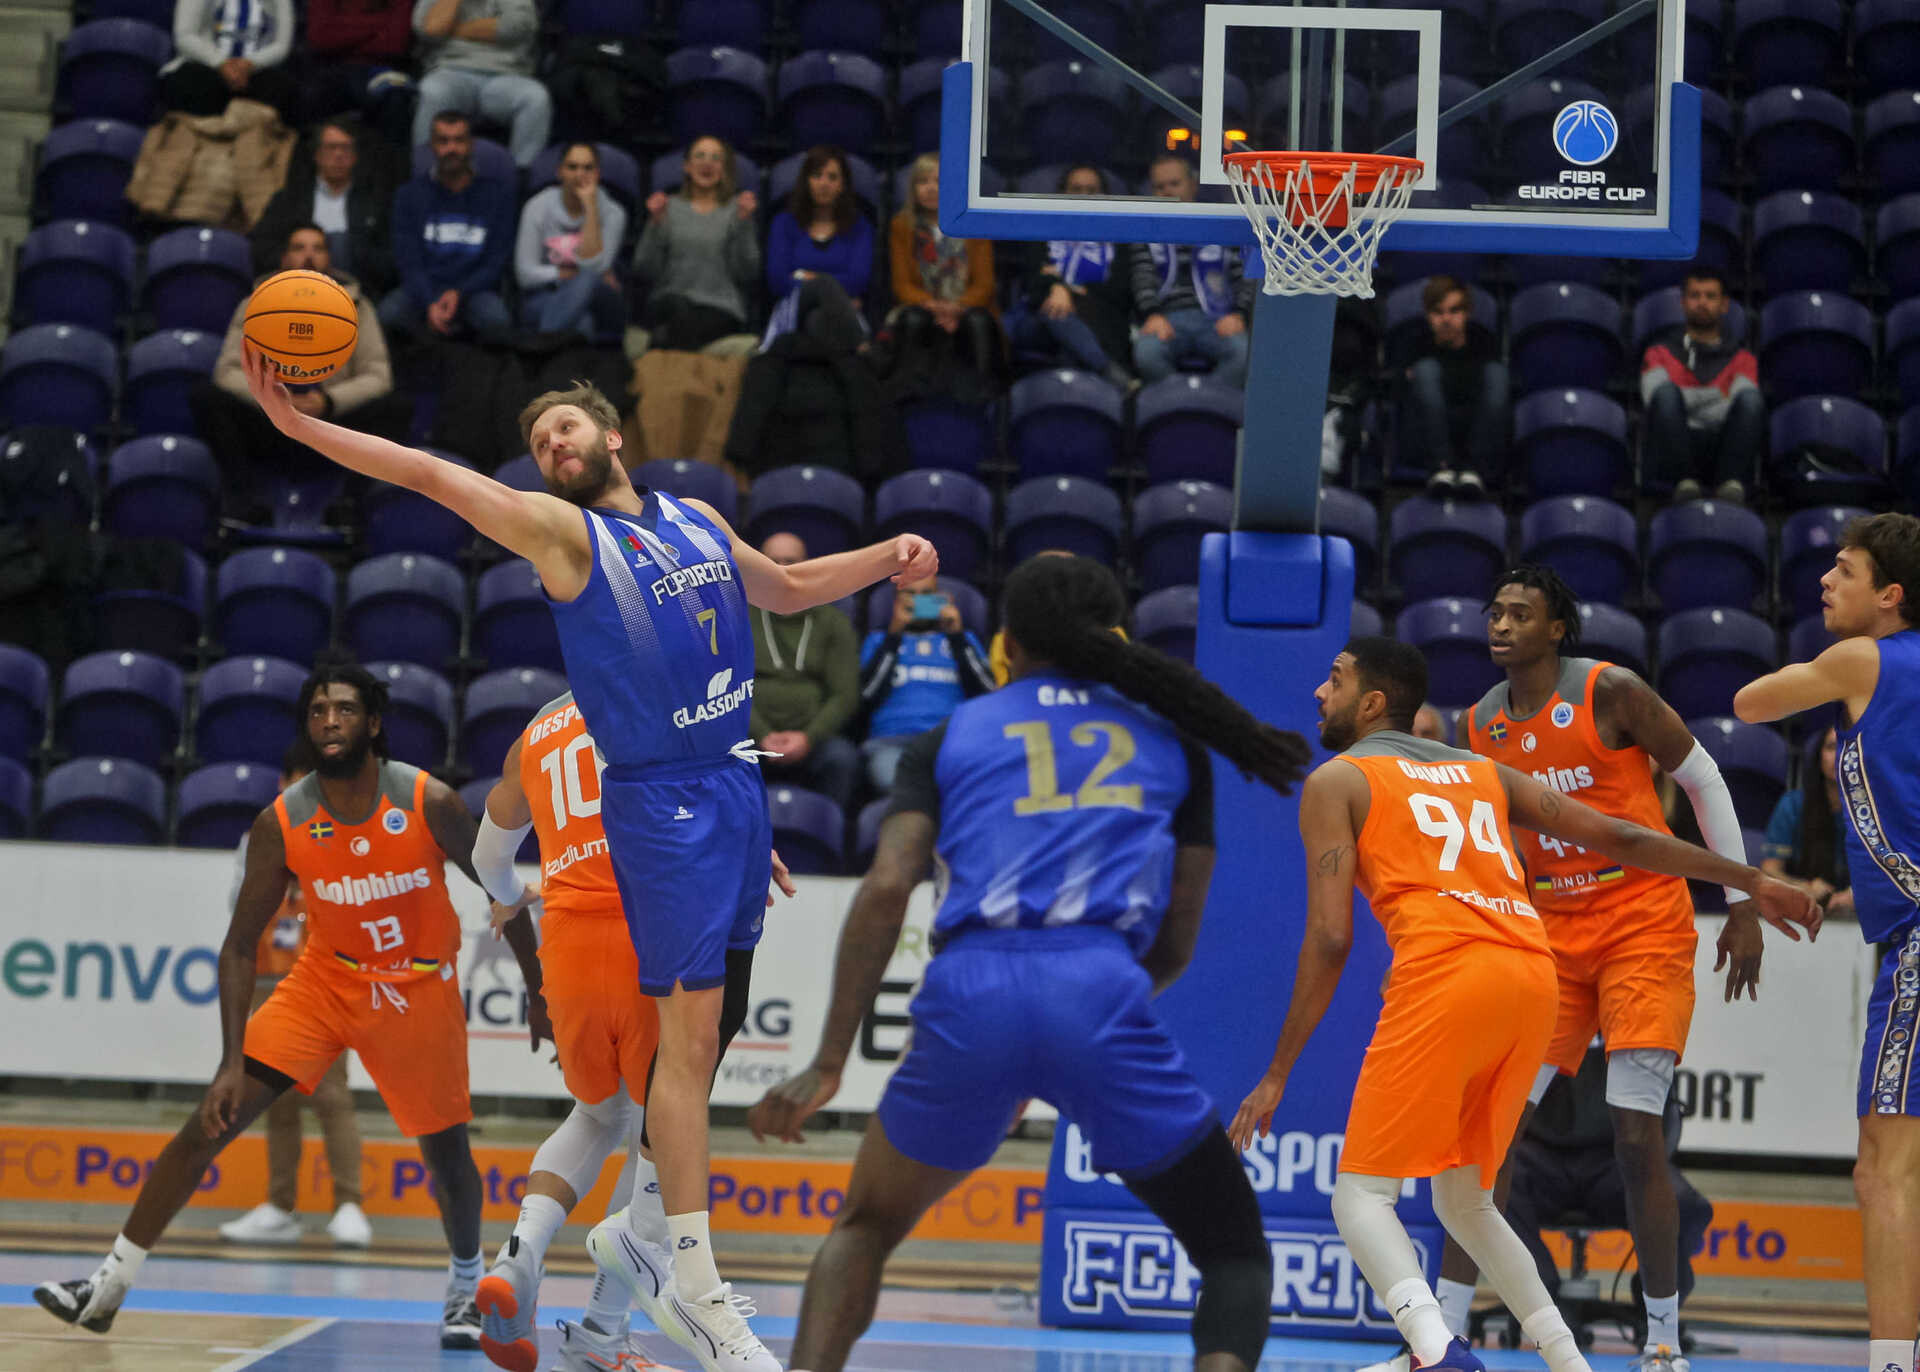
723	698
366	890
684	579
1565	780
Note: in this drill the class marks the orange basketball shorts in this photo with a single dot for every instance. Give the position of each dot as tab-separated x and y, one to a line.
411	1037
1626	973
604	1026
1460	1039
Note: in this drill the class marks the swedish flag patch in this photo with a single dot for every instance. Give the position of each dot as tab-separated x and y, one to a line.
320	828
1497	731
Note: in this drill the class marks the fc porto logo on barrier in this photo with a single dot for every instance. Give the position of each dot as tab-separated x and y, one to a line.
1586	133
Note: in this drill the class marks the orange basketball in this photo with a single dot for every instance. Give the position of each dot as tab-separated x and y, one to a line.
304	321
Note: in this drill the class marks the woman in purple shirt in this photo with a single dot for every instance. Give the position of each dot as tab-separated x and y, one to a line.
820	254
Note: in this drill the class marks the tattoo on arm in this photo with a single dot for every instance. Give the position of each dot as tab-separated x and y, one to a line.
1549	804
1333	860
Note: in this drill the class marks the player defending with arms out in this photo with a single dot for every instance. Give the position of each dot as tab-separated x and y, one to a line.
368	840
1870	602
1071	815
1469	1010
650	597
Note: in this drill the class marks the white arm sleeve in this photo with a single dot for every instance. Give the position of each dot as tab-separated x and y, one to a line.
493	850
1700	777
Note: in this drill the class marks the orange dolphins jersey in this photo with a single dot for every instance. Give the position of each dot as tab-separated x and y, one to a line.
560	772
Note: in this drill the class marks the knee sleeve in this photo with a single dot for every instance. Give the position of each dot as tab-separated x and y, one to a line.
1234	1309
449	1157
586	1138
1459	1203
1363	1211
1639	1079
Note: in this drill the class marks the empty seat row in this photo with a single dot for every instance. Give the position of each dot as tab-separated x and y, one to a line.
68	375
76	271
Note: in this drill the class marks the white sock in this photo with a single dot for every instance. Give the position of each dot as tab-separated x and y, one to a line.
694	1274
1548	1328
646	1216
540	1219
122	1263
606	1307
1663	1322
1456	1303
1889	1355
1418	1316
464	1273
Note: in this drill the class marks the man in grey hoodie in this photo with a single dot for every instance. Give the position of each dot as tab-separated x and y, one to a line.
806	670
477	57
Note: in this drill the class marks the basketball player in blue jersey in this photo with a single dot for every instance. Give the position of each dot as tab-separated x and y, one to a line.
1870	602
1071	814
650	595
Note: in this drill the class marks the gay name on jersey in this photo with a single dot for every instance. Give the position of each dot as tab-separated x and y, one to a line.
685	579
366	890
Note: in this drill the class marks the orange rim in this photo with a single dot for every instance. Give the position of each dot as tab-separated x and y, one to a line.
1326	170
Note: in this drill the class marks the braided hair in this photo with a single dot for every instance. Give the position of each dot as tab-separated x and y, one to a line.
1061	610
1562	603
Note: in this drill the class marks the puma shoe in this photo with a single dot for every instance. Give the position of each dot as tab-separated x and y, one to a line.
89	1303
723	1341
585	1349
642	1270
506	1298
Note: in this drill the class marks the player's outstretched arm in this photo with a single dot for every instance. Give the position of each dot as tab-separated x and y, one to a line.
867	942
1328	833
544	529
1846	672
263	886
823	580
502	828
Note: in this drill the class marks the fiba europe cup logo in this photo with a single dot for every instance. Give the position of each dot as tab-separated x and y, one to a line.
1585	133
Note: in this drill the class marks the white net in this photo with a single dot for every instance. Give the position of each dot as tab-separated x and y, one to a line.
1319	223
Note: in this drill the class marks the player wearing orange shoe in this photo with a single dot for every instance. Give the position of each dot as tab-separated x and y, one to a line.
368	840
1470	1008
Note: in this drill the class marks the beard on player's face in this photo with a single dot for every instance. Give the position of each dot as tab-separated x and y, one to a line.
348	760
1340	729
588	480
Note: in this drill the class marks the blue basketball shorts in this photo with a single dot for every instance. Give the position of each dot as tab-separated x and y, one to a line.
1063	1015
1889	1085
692	852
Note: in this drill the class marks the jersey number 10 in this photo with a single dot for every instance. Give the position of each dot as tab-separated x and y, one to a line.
1436	816
563	769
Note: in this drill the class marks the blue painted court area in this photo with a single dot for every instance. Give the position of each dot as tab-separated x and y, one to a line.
319	1316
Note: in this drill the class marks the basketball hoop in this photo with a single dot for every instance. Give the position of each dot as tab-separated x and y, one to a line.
1319	216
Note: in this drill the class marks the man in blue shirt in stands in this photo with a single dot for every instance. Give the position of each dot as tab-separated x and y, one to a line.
913	675
452	236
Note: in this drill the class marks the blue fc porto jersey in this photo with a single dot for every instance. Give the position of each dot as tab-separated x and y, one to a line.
1878	767
659	648
1058	802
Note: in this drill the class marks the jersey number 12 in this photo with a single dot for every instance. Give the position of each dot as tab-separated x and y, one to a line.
1043	777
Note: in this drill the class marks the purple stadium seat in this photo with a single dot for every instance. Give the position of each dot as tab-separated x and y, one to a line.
619	172
966	599
162	487
1351	516
1807	240
1366	622
497	708
1407	329
402	521
1815	343
74	272
1452	633
1906	451
1638	111
716	90
68	499
110	69
668	171
1886	43
1067	512
404	607
1445	547
1462	145
1271	108
1705	43
1753	759
1068	423
1722	244
491	162
1806	640
740	24
865	26
85	165
1107	22
866	831
520	473
1611	634
1660	311
25	687
952	510
160	369
1169	520
1183	80
1072	108
1526	128
1836	424
1187	428
691	480
782	175
809	832
826	508
1707	552
625	18
219	802
1892	147
103	800
16	799
512	626
832	97
1903	349
1168	620
1808	541
57	374
1570	442
474	793
920	86
1526	29
297	511
948	433
1896	232
196	279
249	710
419	718
1593	543
274	602
1778	41
162	620
1564	334
1797	137
122	704
1706	655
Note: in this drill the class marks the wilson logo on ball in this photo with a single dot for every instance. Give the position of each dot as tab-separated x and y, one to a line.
305	321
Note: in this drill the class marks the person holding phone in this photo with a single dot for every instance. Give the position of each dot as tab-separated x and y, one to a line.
915	673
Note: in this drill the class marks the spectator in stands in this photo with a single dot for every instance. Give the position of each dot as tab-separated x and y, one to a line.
1429	723
360	395
913	675
1705	419
806	671
1454	415
1074	297
698	253
820	254
1193	301
943	286
228	48
359	52
452	235
477	56
347	198
570	237
1804	845
272	1221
